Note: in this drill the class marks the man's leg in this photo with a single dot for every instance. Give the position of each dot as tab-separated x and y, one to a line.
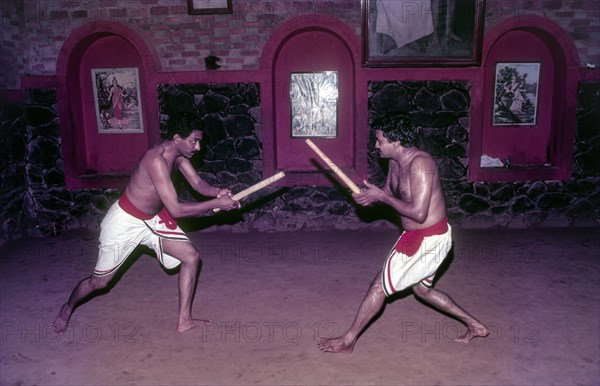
82	290
445	303
188	274
370	306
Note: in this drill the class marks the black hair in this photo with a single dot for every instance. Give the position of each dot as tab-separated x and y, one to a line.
398	127
182	123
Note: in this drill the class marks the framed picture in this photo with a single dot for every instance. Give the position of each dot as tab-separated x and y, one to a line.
516	94
205	7
314	101
414	33
117	100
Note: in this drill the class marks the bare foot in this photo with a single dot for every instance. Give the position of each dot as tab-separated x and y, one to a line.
335	345
62	320
185	325
473	331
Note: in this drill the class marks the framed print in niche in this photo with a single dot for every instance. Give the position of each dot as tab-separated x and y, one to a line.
516	94
314	104
117	100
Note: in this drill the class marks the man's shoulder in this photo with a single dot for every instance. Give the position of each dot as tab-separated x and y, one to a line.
422	156
423	161
153	156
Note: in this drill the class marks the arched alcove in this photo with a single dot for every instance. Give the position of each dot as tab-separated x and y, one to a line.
531	129
311	44
95	157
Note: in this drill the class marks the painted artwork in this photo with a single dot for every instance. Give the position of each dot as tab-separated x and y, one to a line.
407	33
117	100
314	100
516	94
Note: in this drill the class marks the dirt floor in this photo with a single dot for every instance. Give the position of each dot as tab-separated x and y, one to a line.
270	294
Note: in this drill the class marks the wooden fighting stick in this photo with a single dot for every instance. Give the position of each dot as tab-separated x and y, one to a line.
256	187
334	167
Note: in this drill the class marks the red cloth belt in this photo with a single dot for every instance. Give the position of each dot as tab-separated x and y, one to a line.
164	215
410	241
167	219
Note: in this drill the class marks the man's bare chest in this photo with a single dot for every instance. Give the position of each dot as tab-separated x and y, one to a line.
400	184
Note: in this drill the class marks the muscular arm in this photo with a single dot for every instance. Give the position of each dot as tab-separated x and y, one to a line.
159	173
415	206
198	184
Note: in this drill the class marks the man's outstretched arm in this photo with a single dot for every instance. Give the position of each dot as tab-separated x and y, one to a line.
161	179
198	184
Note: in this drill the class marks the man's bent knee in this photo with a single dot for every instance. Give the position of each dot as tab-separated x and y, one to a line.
196	257
421	290
192	257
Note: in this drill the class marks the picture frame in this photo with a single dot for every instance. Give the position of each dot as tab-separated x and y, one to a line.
117	100
422	33
516	88
314	104
206	7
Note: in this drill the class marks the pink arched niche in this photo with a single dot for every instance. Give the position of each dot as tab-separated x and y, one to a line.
541	151
92	159
313	43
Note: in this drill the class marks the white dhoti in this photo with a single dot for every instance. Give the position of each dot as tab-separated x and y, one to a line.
121	232
416	257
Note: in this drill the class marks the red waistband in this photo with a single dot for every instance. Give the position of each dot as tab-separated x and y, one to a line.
410	241
128	207
436	229
164	215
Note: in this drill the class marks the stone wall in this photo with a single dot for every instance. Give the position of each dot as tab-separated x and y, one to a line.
12	47
232	158
36	202
232	150
441	109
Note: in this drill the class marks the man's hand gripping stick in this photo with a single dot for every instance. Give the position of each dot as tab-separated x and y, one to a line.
256	187
334	167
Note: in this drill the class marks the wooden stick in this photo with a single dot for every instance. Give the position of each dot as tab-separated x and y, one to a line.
258	186
334	167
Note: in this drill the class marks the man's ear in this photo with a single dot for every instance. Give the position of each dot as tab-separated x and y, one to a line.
176	137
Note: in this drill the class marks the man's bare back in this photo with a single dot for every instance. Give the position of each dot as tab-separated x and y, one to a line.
417	175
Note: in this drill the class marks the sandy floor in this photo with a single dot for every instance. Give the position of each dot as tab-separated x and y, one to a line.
269	295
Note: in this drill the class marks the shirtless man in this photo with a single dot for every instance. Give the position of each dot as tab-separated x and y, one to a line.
143	216
413	189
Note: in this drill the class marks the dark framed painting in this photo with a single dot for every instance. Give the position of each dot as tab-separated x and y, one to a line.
117	100
419	33
314	104
516	94
206	7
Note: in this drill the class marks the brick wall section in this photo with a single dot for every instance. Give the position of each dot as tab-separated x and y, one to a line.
580	18
183	40
11	43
